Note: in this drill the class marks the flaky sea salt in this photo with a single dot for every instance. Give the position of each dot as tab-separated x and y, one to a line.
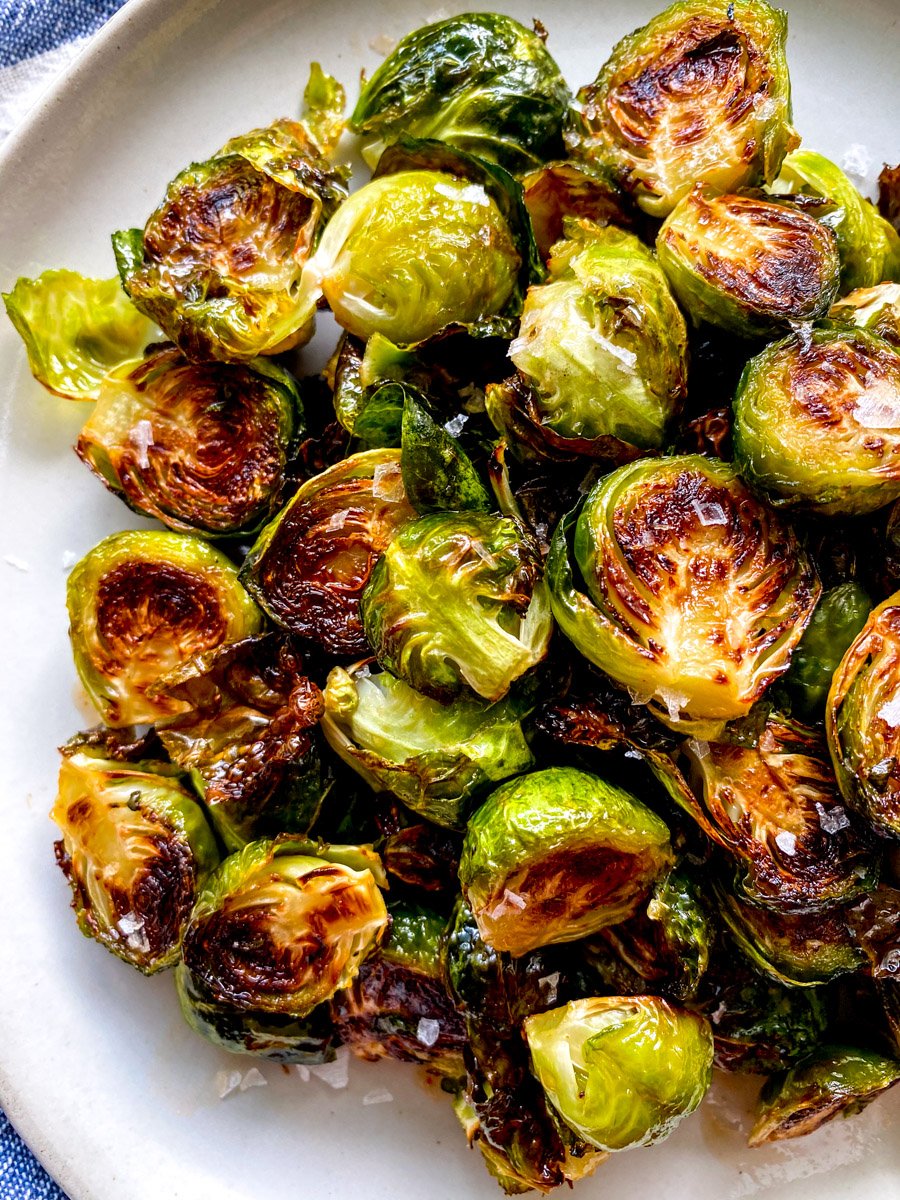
387	483
857	161
786	842
68	560
13	560
455	425
336	1074
227	1082
142	440
428	1031
303	1071
382	44
253	1078
890	712
378	1096
832	820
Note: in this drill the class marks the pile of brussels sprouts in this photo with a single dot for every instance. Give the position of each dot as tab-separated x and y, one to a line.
521	698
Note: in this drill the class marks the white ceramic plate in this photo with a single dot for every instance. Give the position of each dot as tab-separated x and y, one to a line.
97	1069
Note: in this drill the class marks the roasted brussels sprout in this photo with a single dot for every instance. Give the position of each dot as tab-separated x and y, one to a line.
570	189
816	421
434	757
310	564
136	850
278	1037
217	265
556	855
839	616
800	949
437	239
438	475
246	736
278	928
832	1081
621	1071
775	807
695	595
876	309
140	605
666	942
869	247
398	1005
481	82
457	601
758	1024
701	92
200	446
603	346
746	264
75	330
863	720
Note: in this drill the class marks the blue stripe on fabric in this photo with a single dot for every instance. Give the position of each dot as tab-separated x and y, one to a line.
21	1176
31	27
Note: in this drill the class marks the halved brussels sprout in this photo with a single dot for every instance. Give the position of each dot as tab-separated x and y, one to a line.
556	855
701	92
666	942
622	1071
398	1005
200	446
695	595
277	1037
603	346
246	737
423	855
218	263
136	850
876	309
833	1081
800	949
309	565
140	605
434	757
578	190
438	239
863	720
869	247
278	929
817	422
75	330
481	82
747	264
758	1025
839	616
458	601
775	807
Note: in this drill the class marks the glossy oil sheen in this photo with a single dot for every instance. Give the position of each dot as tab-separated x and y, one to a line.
97	1067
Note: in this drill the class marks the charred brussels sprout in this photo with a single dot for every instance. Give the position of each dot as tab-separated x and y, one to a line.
457	601
800	949
695	595
200	446
817	422
246	736
839	616
876	309
136	850
218	263
310	564
603	345
274	1036
746	264
75	330
621	1071
832	1081
438	239
481	82
434	757
699	93
278	929
775	807
398	1005
869	247
142	604
666	942
863	720
557	855
570	189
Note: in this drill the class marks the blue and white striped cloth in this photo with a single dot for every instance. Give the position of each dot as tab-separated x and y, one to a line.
38	40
